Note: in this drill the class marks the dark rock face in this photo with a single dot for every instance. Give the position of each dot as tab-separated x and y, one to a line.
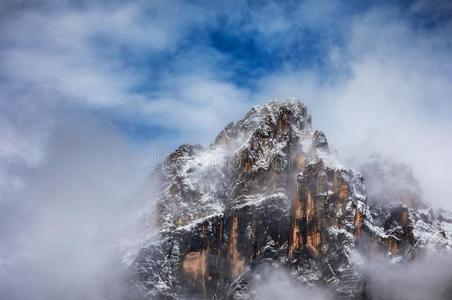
268	192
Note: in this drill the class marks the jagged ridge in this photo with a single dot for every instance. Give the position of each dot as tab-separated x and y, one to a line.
269	191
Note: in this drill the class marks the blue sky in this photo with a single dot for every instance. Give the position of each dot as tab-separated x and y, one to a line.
131	63
177	71
162	73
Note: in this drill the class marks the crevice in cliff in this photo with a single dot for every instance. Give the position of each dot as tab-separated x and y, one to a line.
295	239
195	265
357	222
236	262
393	245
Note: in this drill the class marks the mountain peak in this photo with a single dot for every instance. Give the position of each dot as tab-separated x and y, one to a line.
269	192
267	120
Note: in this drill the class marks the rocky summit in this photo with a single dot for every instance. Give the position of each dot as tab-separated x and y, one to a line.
269	194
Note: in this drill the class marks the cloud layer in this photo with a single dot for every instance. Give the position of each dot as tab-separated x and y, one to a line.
88	88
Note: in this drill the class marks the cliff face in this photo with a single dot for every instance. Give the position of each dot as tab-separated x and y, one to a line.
269	194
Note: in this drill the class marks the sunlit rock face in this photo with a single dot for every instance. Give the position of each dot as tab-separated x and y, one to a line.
268	193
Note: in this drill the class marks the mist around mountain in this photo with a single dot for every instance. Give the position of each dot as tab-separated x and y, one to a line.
268	210
95	96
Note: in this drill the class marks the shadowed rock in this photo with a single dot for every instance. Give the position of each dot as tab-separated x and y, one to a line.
269	192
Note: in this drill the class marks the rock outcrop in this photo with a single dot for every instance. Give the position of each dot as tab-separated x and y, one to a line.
269	194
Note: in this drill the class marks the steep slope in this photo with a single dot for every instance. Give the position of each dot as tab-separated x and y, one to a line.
269	193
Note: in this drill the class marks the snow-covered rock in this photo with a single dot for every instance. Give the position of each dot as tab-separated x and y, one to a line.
270	193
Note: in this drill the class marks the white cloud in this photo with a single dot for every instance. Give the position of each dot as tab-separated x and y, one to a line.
59	232
395	99
278	285
425	278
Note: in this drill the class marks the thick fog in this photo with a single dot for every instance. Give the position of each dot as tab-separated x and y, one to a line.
278	284
424	278
66	217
